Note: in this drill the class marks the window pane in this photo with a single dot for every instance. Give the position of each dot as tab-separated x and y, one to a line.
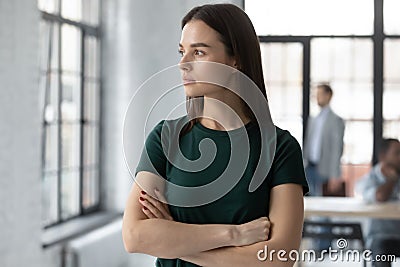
358	140
91	145
391	101
311	17
344	96
50	94
392	61
282	65
71	97
391	16
70	48
44	33
347	65
91	101
49	199
70	145
55	45
92	56
90	188
341	59
49	6
90	11
391	93
391	128
69	194
47	31
71	9
51	148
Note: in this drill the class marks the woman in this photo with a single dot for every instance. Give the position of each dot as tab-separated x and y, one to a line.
232	230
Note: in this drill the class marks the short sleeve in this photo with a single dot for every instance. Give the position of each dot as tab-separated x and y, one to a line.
288	162
153	158
367	187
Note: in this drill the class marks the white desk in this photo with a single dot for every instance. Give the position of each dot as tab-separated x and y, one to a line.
350	207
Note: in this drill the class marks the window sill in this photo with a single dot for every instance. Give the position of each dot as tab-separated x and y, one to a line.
76	227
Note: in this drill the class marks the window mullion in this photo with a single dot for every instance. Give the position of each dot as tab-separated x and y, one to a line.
59	130
82	120
378	75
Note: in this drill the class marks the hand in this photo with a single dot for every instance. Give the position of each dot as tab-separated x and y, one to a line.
252	232
154	208
334	185
390	173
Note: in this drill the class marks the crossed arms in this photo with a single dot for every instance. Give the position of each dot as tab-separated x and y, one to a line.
210	245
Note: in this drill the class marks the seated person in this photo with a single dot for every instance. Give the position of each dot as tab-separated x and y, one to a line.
382	184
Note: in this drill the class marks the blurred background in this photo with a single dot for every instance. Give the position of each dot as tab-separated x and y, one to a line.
68	69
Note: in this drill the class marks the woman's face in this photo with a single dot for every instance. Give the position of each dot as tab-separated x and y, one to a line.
199	42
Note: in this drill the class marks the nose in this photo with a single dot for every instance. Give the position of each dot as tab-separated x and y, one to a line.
184	63
185	66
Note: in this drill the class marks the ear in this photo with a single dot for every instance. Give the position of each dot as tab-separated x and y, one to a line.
234	63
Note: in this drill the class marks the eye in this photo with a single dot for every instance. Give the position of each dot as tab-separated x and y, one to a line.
180	52
199	52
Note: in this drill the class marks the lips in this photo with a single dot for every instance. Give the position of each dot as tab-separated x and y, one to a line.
188	80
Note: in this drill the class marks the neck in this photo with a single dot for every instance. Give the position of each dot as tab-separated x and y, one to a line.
324	106
223	112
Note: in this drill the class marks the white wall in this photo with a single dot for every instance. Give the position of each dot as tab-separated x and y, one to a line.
140	38
20	129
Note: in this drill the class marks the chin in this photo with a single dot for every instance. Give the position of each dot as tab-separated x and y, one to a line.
192	91
201	89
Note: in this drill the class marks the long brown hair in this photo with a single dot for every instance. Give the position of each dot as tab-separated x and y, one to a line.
237	34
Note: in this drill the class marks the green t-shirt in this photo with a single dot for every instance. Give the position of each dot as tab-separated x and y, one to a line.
238	205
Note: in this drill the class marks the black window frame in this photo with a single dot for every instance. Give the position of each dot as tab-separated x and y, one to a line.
56	20
378	38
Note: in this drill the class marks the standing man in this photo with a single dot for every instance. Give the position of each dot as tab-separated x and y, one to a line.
382	184
323	145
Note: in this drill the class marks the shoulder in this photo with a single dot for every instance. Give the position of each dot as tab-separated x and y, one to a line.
287	165
369	180
376	173
284	139
335	116
169	126
286	146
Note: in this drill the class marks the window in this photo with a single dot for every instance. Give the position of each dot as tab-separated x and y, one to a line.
346	63
342	43
311	17
283	73
70	82
391	93
391	18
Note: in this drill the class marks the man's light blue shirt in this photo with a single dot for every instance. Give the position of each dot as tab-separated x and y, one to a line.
367	187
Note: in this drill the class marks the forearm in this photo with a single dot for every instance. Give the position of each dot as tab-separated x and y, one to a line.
170	239
286	215
245	256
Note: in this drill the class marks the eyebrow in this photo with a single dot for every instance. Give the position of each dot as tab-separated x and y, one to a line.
197	45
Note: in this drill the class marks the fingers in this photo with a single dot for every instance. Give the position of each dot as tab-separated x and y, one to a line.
163	200
148	213
267	227
153	211
157	209
266	224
